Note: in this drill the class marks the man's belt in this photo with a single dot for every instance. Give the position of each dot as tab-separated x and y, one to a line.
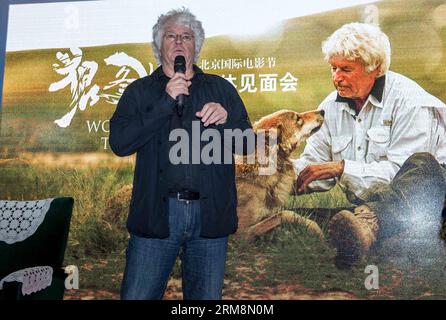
184	195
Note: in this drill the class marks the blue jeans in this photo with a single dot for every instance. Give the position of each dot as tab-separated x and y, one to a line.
149	261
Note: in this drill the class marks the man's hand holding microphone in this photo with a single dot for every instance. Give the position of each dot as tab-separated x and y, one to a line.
178	88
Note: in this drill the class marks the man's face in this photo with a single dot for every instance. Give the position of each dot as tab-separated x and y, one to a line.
351	78
177	40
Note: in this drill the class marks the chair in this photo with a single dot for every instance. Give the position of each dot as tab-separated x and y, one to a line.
33	238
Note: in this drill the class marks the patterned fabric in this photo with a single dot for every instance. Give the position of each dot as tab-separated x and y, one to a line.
32	279
20	219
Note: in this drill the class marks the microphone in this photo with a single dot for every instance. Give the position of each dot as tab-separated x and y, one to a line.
180	66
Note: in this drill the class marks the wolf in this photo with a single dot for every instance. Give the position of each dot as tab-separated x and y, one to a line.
261	196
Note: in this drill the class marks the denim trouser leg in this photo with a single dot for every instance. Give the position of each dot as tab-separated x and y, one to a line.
149	261
409	211
415	196
203	268
148	266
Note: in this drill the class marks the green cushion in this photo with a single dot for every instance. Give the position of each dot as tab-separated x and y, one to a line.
46	247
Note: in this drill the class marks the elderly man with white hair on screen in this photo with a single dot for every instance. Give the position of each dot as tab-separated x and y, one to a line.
382	141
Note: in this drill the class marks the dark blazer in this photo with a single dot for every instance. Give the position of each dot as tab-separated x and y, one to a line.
141	124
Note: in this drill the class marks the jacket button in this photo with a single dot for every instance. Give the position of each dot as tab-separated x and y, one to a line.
161	171
164	199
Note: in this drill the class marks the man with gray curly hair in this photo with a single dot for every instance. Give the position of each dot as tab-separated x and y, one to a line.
186	208
382	140
182	17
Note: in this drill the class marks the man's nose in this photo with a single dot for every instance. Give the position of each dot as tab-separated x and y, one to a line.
178	39
337	76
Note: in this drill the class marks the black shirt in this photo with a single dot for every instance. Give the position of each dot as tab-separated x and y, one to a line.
186	175
142	123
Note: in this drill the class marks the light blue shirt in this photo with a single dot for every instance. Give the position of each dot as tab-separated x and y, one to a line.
376	142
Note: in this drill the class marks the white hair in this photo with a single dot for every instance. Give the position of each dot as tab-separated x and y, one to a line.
182	17
360	40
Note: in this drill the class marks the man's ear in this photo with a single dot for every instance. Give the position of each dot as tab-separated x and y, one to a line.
377	71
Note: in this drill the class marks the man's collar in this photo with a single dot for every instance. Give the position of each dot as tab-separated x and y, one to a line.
378	88
159	73
377	93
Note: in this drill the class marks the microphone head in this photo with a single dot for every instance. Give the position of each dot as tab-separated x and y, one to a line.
179	64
